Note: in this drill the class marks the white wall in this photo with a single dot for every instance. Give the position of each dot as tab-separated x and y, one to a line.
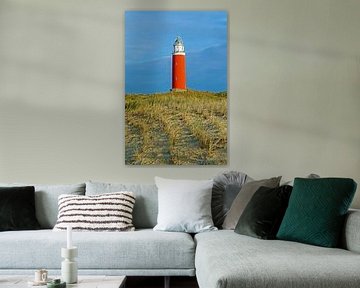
294	89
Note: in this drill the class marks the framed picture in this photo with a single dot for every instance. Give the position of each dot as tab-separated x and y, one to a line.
176	88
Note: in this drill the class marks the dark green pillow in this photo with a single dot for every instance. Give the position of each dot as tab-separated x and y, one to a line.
17	208
264	212
316	211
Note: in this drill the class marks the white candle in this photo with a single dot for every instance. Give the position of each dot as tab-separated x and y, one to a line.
69	239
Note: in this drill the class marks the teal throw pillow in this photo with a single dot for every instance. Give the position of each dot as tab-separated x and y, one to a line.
316	211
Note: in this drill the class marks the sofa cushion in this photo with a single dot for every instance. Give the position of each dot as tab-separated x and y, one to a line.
225	189
317	209
141	250
17	208
146	205
263	214
243	198
105	212
225	259
184	205
46	200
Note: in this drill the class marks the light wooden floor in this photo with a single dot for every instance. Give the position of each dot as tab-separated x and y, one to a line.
158	282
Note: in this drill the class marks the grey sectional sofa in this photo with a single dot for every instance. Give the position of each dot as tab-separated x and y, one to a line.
226	259
220	259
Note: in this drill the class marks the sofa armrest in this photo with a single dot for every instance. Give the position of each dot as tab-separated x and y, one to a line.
351	234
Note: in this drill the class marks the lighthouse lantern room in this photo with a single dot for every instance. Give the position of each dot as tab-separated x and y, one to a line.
178	66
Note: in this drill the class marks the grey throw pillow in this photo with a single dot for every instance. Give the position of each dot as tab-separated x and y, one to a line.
184	205
226	187
243	198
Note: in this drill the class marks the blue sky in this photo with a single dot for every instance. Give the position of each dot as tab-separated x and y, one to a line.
149	38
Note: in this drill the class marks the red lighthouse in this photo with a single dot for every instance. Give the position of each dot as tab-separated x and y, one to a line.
178	66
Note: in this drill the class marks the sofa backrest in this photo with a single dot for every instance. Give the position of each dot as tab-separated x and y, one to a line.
146	203
46	200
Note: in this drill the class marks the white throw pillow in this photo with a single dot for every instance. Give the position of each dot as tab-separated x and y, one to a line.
104	212
184	205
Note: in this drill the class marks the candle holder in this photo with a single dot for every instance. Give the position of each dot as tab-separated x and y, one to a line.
69	271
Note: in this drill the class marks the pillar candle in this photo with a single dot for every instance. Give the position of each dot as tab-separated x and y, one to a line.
69	237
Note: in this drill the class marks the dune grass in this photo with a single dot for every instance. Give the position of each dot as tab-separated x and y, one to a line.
176	128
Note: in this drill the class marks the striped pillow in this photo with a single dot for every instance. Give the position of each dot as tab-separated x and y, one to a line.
105	212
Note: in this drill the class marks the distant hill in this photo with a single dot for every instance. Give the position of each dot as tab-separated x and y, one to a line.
176	128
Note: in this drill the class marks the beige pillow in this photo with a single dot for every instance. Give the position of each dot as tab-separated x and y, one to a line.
243	198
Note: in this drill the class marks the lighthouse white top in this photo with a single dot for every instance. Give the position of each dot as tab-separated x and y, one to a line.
179	46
